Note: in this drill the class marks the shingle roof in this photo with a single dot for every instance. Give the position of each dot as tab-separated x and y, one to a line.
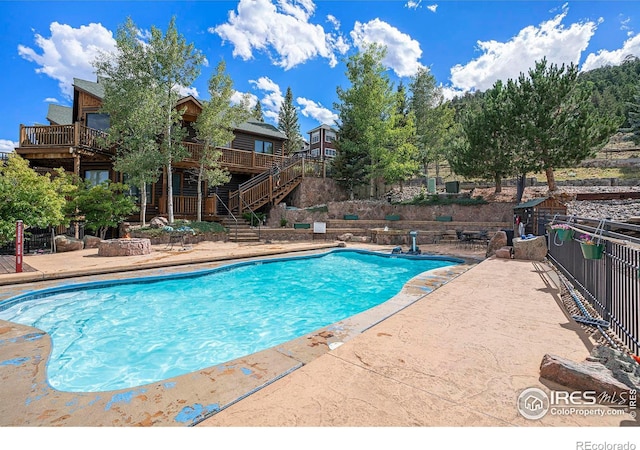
60	115
323	126
531	203
262	128
92	87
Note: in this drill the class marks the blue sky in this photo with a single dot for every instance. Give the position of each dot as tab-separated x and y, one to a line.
269	45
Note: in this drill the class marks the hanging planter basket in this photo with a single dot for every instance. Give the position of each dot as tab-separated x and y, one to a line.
592	251
564	234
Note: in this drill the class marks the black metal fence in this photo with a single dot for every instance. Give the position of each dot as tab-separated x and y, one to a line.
39	240
605	272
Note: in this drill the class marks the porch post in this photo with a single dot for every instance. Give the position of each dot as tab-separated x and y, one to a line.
76	163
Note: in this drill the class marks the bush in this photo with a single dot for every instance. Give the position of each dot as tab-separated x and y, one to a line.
254	219
442	200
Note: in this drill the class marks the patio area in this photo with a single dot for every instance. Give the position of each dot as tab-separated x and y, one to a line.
458	355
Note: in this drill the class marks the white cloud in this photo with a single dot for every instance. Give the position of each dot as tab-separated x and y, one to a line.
185	91
69	52
51	100
503	60
316	111
272	99
413	4
237	97
7	146
333	21
615	57
432	8
403	52
283	28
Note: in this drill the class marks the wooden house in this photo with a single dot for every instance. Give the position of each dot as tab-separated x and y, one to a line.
261	175
322	142
537	212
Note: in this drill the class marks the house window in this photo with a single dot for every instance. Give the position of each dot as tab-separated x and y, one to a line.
95	177
98	121
315	152
330	152
315	137
134	191
330	136
176	183
264	147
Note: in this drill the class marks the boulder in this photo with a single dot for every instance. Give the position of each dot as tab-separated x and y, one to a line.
582	376
67	244
533	249
345	237
158	222
497	241
91	241
504	252
125	247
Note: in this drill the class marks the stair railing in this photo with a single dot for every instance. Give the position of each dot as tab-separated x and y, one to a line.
253	215
230	213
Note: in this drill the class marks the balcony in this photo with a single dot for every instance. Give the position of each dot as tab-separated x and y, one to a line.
50	139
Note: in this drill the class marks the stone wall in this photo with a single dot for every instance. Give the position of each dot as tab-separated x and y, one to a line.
378	210
317	191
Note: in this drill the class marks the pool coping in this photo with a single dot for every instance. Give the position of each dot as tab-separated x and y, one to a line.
187	399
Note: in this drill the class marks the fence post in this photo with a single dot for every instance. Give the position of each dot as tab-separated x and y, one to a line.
608	274
19	245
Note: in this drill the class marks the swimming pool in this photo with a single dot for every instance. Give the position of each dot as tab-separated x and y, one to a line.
126	333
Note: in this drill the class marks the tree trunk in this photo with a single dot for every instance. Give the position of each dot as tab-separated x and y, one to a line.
498	181
143	204
520	190
551	179
199	203
372	187
170	191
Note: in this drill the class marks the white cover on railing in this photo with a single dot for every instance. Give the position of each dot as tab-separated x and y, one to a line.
319	227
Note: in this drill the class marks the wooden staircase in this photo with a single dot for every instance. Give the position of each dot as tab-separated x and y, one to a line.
270	187
240	231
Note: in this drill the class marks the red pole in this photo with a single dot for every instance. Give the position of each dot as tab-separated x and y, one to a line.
19	245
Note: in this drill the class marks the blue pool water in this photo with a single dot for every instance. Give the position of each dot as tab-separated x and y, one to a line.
127	333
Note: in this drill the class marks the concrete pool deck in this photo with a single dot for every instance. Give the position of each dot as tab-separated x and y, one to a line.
458	356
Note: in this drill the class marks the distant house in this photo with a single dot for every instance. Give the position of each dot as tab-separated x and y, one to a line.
71	141
322	142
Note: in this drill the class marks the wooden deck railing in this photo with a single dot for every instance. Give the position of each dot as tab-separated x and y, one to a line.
184	205
77	135
50	136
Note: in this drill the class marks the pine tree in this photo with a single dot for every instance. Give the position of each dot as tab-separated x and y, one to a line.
257	112
633	118
288	124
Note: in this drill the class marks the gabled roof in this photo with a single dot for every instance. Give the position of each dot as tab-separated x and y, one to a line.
60	115
190	97
92	87
261	128
531	203
323	126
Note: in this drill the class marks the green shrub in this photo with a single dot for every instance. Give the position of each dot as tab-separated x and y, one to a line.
254	219
441	200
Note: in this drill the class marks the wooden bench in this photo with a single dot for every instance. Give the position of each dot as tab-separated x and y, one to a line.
392	217
444	219
350	217
301	226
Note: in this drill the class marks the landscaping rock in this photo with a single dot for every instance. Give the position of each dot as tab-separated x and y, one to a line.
584	376
91	241
67	244
534	249
124	247
345	237
504	252
498	240
158	222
